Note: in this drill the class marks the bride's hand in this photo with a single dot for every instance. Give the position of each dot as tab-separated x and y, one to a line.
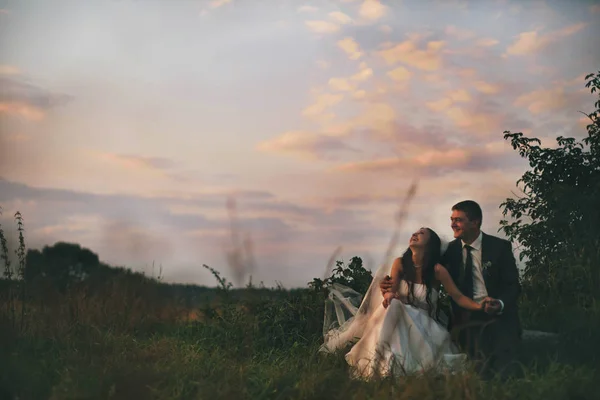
385	285
387	299
484	302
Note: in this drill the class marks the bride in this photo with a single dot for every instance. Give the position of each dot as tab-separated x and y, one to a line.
405	332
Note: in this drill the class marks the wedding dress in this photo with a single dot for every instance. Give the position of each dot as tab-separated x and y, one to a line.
398	340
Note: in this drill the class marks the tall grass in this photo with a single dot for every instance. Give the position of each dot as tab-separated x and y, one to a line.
133	337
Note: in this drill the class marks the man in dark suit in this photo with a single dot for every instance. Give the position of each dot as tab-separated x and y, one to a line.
483	267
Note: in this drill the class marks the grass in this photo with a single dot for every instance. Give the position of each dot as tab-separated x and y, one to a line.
263	346
134	337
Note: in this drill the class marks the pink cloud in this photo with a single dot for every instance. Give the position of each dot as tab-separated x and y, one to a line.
432	161
532	42
306	145
409	52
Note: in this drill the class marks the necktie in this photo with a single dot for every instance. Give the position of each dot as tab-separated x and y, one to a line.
468	280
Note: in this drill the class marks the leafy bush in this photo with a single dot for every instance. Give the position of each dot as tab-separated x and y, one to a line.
557	218
353	275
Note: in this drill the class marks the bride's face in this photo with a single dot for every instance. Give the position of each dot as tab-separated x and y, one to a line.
419	238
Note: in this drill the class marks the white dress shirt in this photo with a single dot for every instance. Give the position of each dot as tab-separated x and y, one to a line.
479	289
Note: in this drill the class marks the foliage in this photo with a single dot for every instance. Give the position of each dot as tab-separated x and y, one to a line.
557	219
223	284
62	264
353	275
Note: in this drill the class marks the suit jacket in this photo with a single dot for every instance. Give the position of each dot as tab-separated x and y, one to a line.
501	278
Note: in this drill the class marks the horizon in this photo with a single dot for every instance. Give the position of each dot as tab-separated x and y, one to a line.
128	127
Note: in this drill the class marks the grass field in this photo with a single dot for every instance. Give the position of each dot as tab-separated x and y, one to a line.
135	338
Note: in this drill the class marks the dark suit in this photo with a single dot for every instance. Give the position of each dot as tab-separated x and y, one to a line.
494	338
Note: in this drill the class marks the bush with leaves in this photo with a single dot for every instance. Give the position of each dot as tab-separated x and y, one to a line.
557	219
353	275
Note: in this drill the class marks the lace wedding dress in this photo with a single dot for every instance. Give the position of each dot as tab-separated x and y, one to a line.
398	340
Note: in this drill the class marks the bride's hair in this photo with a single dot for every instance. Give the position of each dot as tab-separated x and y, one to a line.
431	257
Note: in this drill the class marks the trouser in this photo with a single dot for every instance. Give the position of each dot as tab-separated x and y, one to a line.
488	344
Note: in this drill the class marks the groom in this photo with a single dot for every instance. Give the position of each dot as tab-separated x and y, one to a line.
483	267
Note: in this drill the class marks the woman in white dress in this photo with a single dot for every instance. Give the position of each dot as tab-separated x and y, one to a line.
404	333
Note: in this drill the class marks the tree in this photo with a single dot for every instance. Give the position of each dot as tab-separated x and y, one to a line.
557	219
62	263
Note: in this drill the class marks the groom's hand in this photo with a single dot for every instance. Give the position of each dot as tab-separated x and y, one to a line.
385	285
492	306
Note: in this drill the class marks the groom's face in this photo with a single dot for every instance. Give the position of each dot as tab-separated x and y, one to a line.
462	227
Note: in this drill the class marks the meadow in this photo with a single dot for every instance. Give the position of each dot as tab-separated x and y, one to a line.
130	336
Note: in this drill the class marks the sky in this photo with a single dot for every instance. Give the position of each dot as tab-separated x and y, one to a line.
258	136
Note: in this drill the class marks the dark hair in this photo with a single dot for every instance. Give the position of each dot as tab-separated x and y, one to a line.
471	208
432	256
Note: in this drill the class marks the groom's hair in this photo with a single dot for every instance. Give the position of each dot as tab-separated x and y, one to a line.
471	208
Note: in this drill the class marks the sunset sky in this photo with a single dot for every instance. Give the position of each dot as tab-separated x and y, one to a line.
126	124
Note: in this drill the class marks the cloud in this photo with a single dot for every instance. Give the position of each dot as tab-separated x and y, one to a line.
340	17
459	96
14	137
439	105
372	10
486	42
386	29
218	3
450	98
532	42
341	84
322	26
141	162
407	52
160	167
322	103
363	74
306	145
377	126
9	70
350	47
358	200
433	162
467	73
23	110
133	242
485	87
459	33
136	210
20	97
400	74
309	9
480	119
213	5
549	100
434	78
323	64
381	127
137	231
359	95
477	122
377	116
